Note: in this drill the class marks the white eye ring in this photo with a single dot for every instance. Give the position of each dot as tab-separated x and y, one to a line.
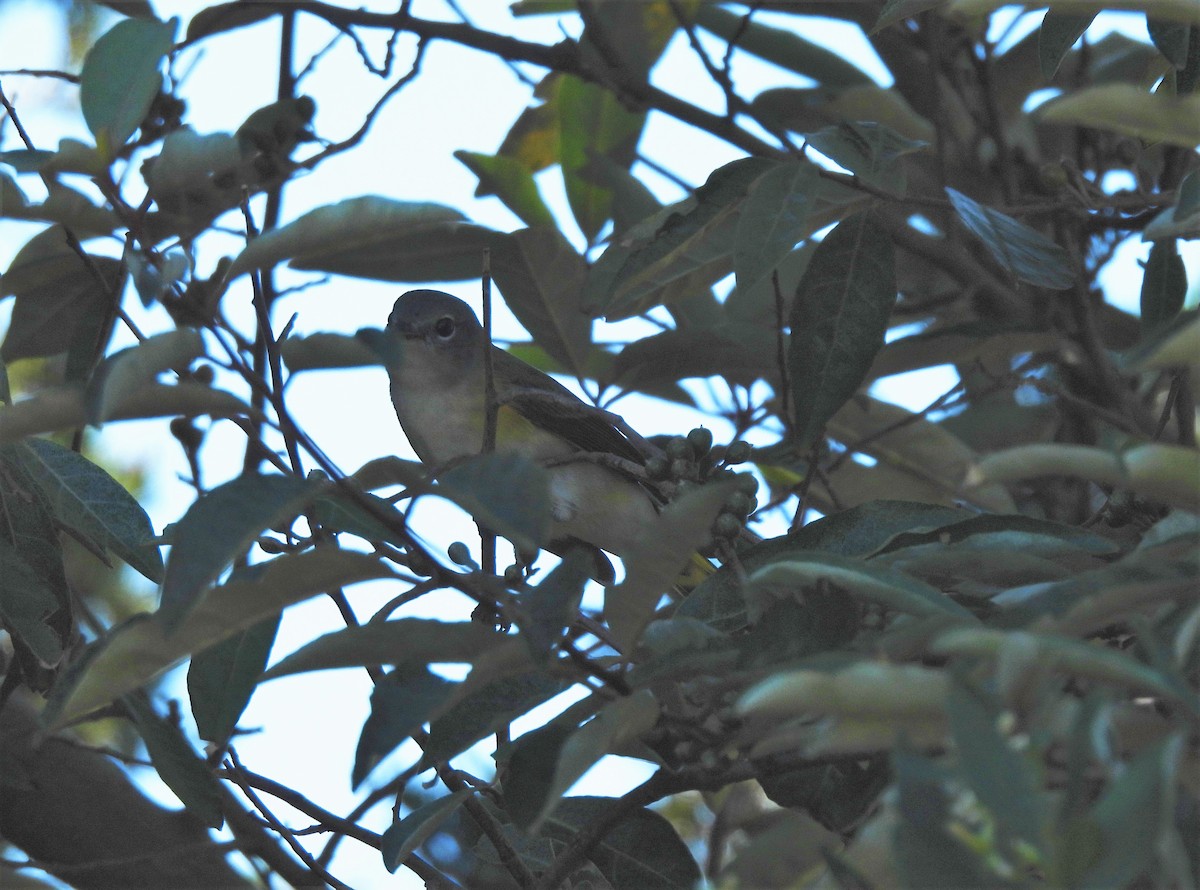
444	327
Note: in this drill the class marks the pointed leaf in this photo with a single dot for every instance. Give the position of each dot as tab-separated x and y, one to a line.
838	321
1130	110
677	241
1057	35
506	492
542	278
407	698
552	605
222	679
218	527
374	237
61	407
1164	286
222	17
85	498
651	568
547	762
177	763
403	837
26	602
510	181
121	78
130	369
642	851
772	220
141	649
1026	253
407	641
56	293
488	708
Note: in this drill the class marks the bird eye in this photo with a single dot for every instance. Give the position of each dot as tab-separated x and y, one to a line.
444	327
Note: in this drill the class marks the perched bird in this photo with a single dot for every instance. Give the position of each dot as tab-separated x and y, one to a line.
438	389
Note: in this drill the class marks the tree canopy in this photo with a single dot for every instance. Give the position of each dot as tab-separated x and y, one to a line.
950	647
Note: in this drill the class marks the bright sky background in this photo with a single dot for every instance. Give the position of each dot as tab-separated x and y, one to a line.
463	99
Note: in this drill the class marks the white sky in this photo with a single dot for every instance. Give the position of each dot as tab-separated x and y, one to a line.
463	99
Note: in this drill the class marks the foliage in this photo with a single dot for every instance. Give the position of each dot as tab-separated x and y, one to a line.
972	661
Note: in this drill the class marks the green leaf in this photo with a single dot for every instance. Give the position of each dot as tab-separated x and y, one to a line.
218	527
323	351
1135	815
406	835
1171	39
592	121
865	581
655	564
784	48
121	78
374	237
26	603
836	794
142	648
546	762
867	149
542	278
739	353
130	369
773	219
927	854
1057	35
1003	781
838	321
222	17
897	10
510	181
222	679
488	708
1026	253
1129	110
642	851
61	407
177	763
1164	286
552	605
57	293
680	239
85	498
406	699
407	641
506	492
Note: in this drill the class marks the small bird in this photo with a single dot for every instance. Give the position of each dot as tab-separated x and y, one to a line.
438	390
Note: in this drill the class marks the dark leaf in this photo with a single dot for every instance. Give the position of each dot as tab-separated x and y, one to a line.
141	649
57	295
221	17
542	277
1164	286
677	241
219	526
552	605
129	370
1003	780
1171	39
642	851
774	217
177	763
1057	35
487	708
407	834
506	492
835	794
406	699
1026	253
27	603
838	321
222	679
85	498
785	48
